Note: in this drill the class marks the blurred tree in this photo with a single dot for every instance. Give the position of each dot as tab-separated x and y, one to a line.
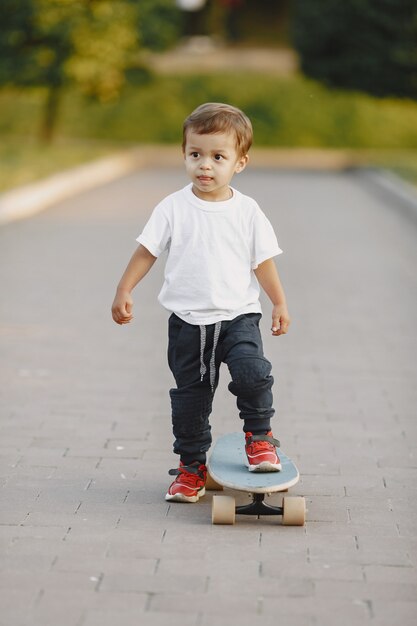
52	43
160	23
366	45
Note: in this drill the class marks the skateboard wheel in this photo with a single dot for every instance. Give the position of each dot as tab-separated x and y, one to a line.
223	510
294	511
211	484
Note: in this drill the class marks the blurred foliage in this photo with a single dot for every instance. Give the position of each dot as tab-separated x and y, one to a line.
103	41
160	23
367	45
285	112
52	42
55	42
90	44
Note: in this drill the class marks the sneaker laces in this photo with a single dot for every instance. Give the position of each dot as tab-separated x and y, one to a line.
189	474
261	442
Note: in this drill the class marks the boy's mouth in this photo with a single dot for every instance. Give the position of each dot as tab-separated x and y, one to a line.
204	179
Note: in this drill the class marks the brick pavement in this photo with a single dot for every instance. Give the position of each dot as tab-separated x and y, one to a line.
86	537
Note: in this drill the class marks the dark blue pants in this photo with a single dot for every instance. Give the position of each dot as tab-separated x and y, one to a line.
240	347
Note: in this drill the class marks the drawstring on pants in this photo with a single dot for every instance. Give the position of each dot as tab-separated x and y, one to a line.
203	369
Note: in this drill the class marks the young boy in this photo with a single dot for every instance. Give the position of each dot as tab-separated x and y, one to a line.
220	248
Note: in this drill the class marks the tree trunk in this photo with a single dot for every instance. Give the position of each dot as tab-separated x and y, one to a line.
50	114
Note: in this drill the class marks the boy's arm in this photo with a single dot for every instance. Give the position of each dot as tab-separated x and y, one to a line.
139	265
267	275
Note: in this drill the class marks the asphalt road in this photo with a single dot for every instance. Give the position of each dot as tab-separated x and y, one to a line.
85	534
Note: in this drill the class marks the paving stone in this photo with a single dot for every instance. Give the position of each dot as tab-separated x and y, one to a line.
10	515
326	569
323	486
262	586
28	562
153	584
16	603
387	612
103	564
257	620
322	609
372	592
390	573
384	528
48	616
213	603
133	617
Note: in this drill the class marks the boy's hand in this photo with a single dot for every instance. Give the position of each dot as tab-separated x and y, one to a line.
280	320
122	307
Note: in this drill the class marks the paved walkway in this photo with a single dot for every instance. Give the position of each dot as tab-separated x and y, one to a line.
86	536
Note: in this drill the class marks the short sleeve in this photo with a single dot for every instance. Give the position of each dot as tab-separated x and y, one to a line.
156	235
264	241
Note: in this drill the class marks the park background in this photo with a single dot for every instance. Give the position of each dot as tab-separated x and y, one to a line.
84	79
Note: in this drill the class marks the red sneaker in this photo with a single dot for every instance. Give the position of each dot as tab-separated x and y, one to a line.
189	485
261	453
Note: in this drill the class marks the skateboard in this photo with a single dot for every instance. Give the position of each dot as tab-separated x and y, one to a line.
228	467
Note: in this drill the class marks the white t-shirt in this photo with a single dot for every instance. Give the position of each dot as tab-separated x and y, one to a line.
213	248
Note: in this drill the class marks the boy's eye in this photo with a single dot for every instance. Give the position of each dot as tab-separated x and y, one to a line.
194	154
218	157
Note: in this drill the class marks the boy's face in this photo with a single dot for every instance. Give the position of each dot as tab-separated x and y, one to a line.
210	162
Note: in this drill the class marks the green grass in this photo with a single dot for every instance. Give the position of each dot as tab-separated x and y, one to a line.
286	112
23	161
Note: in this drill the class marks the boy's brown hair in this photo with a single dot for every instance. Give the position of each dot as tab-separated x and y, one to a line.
215	117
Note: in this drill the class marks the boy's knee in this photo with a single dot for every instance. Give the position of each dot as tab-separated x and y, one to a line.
249	375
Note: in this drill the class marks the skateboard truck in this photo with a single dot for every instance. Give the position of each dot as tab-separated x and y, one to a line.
224	509
259	507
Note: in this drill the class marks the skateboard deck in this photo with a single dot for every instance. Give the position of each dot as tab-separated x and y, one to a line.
228	467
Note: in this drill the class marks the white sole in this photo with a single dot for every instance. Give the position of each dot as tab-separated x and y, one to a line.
180	497
265	467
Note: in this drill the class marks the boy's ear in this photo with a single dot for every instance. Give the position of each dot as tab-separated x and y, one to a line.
242	163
